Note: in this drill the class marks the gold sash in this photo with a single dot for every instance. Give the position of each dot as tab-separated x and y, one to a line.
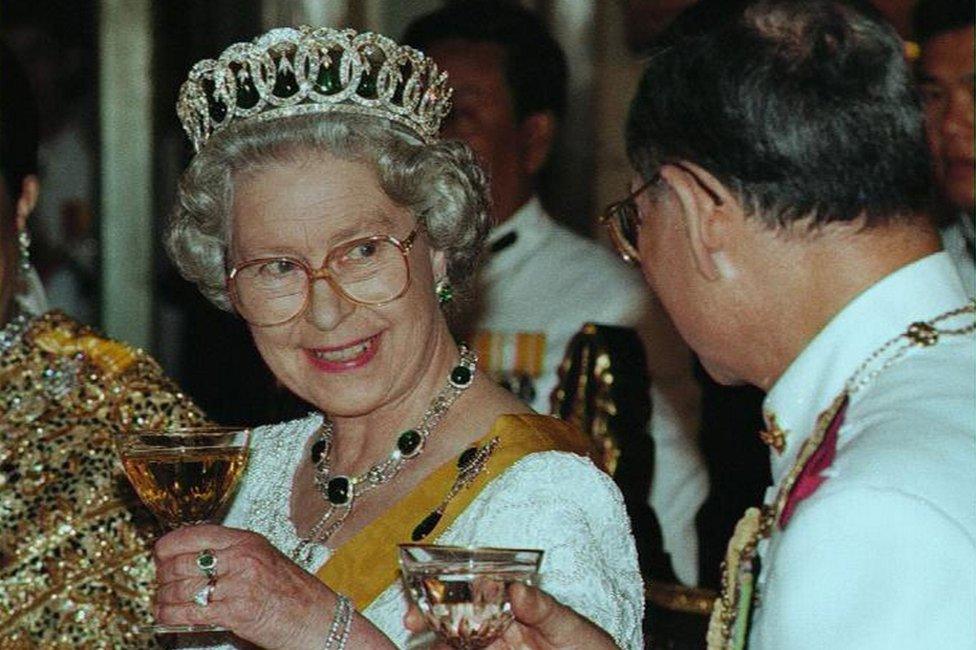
366	565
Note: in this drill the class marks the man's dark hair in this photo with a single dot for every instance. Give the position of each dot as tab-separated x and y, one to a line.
802	108
699	18
934	17
18	123
534	65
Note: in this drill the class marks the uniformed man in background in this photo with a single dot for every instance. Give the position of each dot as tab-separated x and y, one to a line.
944	31
541	281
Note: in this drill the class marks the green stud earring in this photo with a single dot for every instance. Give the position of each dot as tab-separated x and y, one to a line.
444	291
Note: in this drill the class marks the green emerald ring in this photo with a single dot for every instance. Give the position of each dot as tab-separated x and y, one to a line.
207	563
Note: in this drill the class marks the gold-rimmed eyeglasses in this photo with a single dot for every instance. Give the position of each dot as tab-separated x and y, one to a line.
369	271
623	220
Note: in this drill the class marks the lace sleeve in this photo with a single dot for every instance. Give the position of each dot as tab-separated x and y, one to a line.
563	504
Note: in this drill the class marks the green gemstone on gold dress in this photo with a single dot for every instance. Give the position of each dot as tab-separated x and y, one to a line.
427	526
467	457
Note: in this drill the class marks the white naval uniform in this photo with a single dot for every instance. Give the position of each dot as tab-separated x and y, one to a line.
957	239
552	281
883	554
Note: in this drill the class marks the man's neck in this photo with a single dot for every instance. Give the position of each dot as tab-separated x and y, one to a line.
818	276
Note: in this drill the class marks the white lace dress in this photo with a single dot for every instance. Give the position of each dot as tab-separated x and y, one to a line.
556	501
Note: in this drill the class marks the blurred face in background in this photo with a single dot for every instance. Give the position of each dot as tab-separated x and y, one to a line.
946	83
483	116
643	20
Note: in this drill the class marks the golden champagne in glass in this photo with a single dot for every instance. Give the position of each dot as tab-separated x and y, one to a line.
184	476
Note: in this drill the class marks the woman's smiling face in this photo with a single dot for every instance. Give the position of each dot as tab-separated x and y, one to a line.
346	358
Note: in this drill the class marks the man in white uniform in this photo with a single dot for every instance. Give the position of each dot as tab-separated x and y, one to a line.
944	31
541	281
782	176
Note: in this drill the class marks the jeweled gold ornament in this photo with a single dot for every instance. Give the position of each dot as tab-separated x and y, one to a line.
299	71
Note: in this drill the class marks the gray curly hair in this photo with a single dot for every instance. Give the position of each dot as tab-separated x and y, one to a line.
441	183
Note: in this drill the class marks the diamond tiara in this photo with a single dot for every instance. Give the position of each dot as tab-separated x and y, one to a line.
297	71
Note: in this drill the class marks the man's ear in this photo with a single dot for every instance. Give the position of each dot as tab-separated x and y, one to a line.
537	132
709	211
29	189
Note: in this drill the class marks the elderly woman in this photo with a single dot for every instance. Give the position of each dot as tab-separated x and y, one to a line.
74	563
321	206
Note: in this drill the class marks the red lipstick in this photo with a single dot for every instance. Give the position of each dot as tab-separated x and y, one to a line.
317	356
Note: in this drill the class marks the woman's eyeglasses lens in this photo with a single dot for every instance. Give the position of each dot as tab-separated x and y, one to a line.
369	271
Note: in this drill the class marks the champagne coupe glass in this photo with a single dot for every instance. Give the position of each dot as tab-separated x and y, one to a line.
462	592
184	476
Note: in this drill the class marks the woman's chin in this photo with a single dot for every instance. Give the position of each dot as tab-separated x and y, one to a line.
347	403
345	395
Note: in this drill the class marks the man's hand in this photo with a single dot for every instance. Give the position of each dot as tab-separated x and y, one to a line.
540	623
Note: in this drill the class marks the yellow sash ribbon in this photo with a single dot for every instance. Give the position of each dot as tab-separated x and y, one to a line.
366	565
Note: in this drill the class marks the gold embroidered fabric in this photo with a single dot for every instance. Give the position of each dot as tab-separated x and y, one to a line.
74	567
773	435
727	629
603	389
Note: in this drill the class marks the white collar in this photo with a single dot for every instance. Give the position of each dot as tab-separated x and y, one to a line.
531	225
967	226
918	291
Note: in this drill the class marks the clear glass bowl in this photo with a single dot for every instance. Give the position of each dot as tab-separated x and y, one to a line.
462	592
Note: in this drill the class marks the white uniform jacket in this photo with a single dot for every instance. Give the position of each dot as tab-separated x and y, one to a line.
544	282
957	239
883	554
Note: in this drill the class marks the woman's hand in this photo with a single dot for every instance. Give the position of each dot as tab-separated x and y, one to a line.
259	594
540	623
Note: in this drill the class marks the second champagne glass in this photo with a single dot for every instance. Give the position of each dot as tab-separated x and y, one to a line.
184	476
462	592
